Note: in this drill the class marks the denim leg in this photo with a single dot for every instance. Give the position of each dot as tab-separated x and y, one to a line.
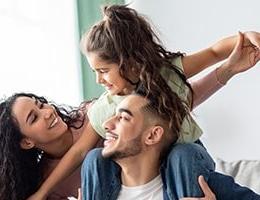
225	188
100	177
180	170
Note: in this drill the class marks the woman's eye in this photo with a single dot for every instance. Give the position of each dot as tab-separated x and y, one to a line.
41	105
34	117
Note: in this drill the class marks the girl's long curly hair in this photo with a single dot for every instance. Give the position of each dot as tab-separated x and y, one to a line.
126	38
21	170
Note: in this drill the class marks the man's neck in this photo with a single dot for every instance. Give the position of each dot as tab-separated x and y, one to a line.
138	170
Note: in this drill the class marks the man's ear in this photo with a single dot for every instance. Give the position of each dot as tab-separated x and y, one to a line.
155	135
27	143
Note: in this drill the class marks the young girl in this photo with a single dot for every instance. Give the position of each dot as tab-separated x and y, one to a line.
34	137
124	52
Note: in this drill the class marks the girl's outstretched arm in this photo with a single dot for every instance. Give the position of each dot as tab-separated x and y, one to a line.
219	51
71	160
240	60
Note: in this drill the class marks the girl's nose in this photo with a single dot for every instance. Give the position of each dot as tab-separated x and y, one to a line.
99	78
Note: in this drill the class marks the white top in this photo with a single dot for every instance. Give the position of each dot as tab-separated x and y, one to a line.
152	190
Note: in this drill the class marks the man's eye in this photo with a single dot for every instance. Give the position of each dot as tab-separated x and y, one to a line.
125	118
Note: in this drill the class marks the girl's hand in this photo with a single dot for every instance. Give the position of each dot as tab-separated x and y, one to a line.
241	59
252	38
209	195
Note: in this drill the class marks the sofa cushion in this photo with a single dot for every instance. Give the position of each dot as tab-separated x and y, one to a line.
245	172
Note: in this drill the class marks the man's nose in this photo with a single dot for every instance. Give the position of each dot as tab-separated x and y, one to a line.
109	124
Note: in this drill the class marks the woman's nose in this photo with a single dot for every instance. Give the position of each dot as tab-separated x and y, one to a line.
48	112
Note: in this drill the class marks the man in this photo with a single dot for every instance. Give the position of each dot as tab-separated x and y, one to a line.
137	139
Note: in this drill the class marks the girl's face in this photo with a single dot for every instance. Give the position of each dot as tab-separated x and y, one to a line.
107	74
39	123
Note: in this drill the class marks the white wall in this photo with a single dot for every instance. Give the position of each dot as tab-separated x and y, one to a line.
231	118
39	49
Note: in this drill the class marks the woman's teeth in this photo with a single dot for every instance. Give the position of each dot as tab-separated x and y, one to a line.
54	122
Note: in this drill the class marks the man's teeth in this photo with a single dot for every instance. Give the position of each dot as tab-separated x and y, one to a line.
111	137
54	122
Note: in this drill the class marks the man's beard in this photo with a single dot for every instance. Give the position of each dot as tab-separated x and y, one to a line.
133	148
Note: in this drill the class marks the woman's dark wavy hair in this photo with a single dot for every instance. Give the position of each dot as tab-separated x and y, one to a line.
126	38
20	169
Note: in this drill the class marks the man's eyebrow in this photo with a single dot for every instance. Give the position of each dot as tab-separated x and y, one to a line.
120	110
30	113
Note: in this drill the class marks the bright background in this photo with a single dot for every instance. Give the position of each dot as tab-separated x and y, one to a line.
231	118
40	53
39	49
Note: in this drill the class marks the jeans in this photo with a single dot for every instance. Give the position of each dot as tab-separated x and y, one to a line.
180	170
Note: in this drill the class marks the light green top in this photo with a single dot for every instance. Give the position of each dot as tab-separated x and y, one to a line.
104	107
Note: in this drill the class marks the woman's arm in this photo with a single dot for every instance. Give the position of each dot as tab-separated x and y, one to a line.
240	60
71	160
197	62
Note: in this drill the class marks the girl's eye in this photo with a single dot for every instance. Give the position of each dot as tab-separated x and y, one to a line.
102	71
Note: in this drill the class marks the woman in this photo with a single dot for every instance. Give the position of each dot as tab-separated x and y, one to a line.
34	136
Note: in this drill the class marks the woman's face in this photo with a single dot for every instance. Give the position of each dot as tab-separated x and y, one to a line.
39	123
107	75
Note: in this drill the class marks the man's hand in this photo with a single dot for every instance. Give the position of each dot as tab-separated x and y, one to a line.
209	195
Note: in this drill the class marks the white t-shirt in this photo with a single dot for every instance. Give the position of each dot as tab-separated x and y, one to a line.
152	190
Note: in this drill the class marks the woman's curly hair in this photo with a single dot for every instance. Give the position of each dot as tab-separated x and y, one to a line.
21	170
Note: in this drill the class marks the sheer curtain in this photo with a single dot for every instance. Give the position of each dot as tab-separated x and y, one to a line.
39	49
88	13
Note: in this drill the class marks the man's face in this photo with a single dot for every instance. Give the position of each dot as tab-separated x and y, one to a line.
124	131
